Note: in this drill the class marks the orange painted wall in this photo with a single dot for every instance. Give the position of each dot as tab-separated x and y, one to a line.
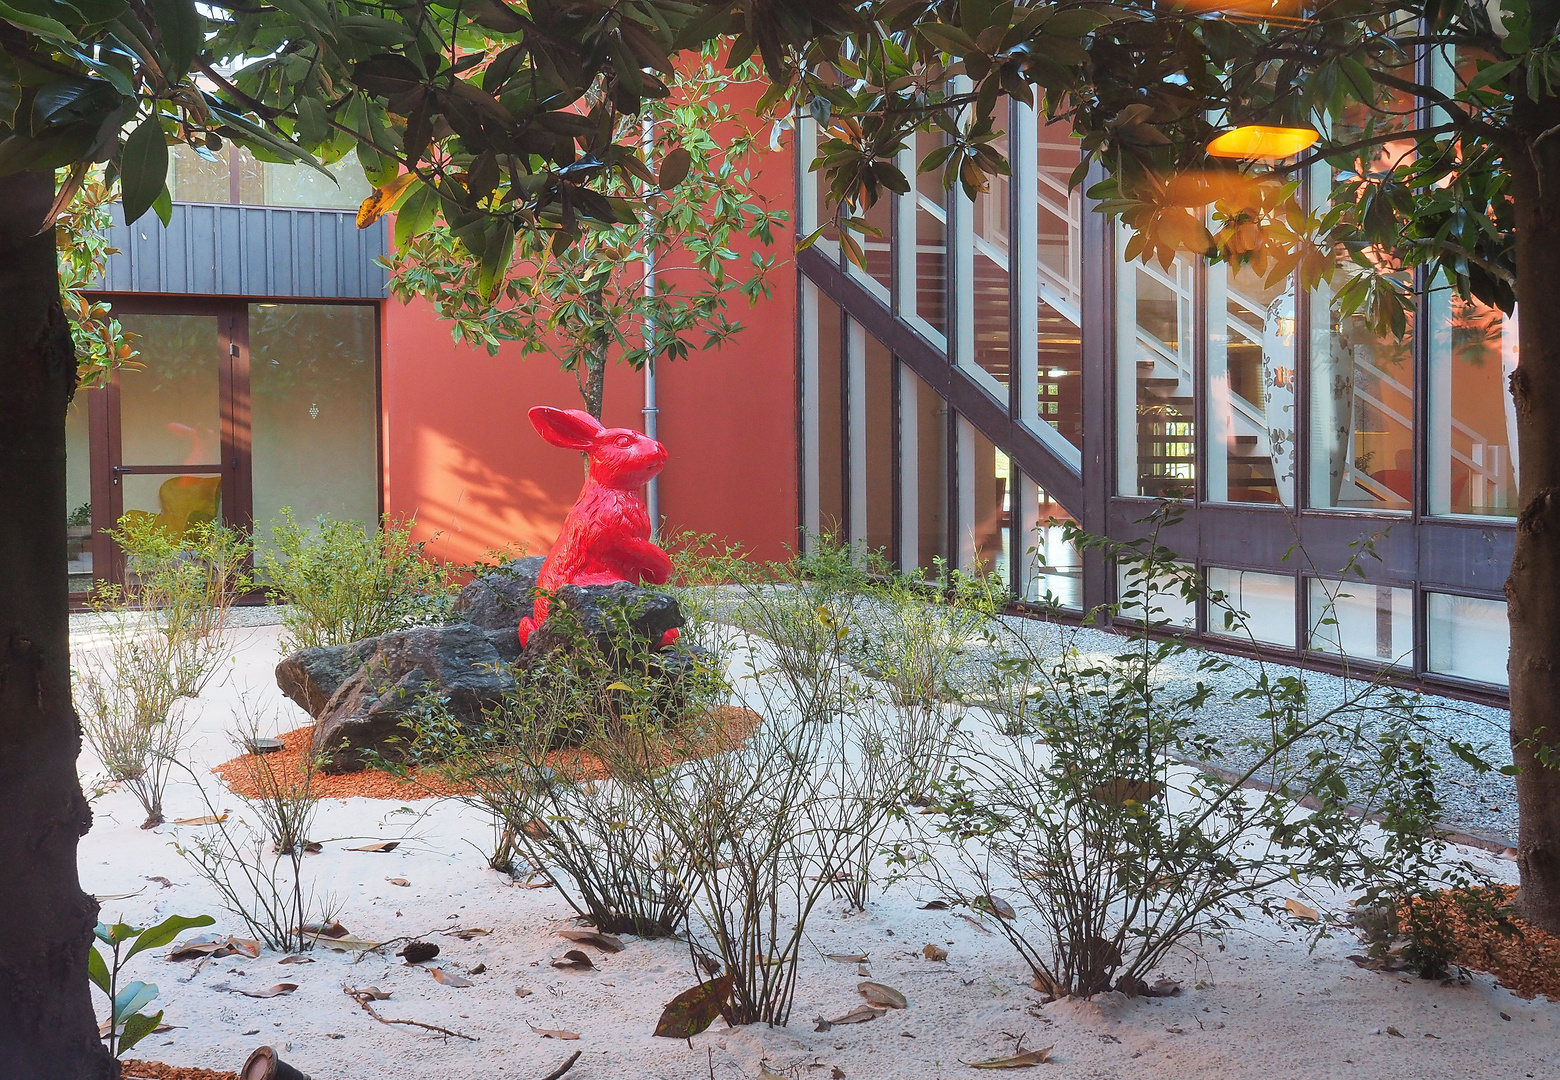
461	457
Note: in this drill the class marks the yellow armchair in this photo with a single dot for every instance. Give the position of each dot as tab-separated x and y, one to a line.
185	501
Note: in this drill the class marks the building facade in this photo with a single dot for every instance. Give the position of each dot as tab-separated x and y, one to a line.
998	365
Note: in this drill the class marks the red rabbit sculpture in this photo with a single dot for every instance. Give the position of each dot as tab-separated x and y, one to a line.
606	537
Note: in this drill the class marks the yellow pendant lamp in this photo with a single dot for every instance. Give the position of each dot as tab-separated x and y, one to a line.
1262	142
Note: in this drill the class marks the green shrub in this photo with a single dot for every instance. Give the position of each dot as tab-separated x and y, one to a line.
345	583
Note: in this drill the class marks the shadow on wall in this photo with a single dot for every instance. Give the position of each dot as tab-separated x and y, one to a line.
466	509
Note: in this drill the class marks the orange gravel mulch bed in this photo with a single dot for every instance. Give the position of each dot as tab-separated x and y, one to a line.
1523	957
726	727
156	1070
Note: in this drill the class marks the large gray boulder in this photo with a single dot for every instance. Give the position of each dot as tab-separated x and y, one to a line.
621	620
310	677
500	598
400	672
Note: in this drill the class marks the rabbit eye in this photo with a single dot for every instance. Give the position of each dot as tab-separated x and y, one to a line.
625	440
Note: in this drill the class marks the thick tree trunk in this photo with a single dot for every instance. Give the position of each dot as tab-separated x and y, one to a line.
1533	589
47	1027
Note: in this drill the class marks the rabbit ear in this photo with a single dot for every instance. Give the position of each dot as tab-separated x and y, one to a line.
572	429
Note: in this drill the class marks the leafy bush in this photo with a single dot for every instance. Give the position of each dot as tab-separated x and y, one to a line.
344	583
127	1024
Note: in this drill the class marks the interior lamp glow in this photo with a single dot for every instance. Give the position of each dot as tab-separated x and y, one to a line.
1252	142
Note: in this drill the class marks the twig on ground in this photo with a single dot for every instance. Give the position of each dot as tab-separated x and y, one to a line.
565	1067
365	999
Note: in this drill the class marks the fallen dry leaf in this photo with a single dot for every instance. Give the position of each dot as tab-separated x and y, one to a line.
996	906
859	1015
372	993
164	882
1395	1033
479	969
522	992
447	978
214	945
882	994
330	929
847	958
383	845
1302	911
935	905
552	1033
1016	1061
573	960
296	959
208	819
693	1010
270	992
934	952
349	943
466	933
109	899
604	942
401	881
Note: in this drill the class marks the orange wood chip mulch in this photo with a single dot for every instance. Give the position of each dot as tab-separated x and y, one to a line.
156	1070
1523	957
725	727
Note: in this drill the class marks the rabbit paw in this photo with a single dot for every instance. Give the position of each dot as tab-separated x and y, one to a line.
527	625
669	638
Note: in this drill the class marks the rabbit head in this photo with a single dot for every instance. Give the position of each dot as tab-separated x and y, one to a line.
619	457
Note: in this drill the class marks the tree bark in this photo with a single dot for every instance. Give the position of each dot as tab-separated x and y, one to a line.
1533	589
47	1025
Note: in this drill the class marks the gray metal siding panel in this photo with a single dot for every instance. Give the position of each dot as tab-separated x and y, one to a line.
212	250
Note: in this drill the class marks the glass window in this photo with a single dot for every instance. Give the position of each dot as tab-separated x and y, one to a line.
871	442
78	494
985	503
985	303
199	176
814	201
924	294
1059	233
1167	606
1254	606
878	277
314	412
1251	377
170	401
1473	420
1469	637
923	448
829	471
1369	622
1154	381
1051	570
204	177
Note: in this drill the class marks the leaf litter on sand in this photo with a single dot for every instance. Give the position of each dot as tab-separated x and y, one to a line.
1024	1060
553	1033
448	978
859	1015
881	994
573	960
604	942
275	991
694	1010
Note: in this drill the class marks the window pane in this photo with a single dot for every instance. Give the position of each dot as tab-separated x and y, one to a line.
931	240
314	412
1371	622
876	512
172	503
1251	404
1167	606
78	495
1155	428
169	403
923	425
987	292
879	274
1362	408
831	434
1473	421
1053	572
301	186
194	178
1469	638
1255	606
985	503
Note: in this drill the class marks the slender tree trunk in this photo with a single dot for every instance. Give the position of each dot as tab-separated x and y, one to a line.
595	382
1533	589
47	1026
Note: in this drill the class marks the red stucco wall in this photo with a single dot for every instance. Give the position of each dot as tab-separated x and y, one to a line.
462	458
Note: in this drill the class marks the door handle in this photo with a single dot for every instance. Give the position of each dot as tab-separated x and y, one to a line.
116	471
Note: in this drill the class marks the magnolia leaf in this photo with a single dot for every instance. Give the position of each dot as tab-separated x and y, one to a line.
157	936
934	952
675	167
847	958
97	970
1302	911
859	1015
1016	1061
995	905
693	1010
369	212
136	1028
881	994
347	943
270	992
604	942
401	881
552	1033
573	960
448	978
467	933
183	31
384	845
207	819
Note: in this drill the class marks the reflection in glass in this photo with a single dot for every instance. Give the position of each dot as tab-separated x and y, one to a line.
1254	606
1251	378
1162	597
1051	570
872	443
78	495
879	274
1362	408
923	427
1473	421
1154	380
929	294
989	346
985	505
314	413
1370	622
202	176
830	477
171	504
199	177
1470	638
170	400
1059	221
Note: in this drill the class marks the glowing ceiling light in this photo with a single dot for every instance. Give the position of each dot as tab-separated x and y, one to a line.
1252	142
1055	373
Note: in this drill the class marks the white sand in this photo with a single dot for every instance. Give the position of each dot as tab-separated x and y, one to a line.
1260	1007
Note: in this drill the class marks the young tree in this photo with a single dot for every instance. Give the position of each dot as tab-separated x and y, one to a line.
500	119
654	288
1439	153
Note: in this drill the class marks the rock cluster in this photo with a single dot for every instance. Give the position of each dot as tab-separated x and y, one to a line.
360	694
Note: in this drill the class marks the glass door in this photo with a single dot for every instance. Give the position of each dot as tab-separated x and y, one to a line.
170	460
